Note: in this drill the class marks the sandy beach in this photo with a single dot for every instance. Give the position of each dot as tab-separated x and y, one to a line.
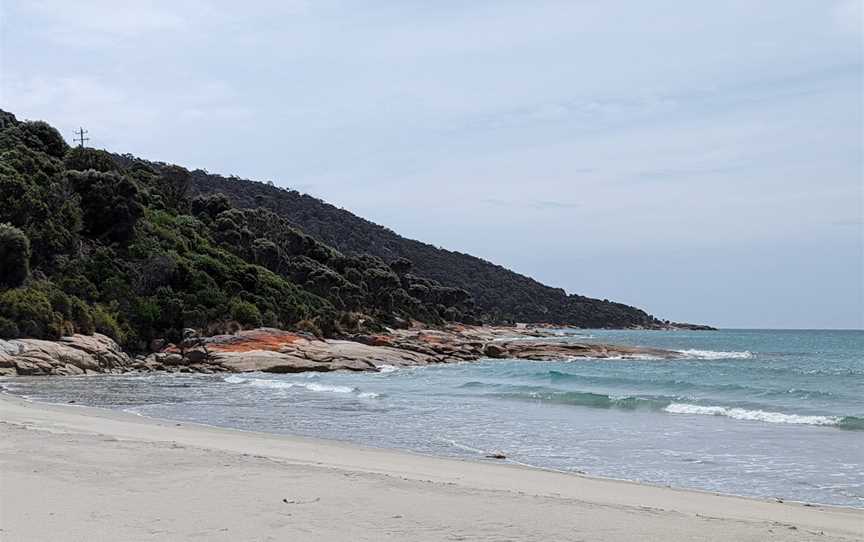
83	474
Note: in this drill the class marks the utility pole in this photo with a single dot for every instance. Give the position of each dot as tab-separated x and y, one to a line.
81	139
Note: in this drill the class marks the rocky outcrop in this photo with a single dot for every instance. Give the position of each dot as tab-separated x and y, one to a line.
74	355
467	343
276	351
279	351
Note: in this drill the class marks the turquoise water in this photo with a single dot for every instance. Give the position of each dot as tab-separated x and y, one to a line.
749	412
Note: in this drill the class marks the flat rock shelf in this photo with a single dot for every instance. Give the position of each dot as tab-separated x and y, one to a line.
278	351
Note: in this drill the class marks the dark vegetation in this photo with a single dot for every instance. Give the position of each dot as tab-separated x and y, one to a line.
500	294
93	243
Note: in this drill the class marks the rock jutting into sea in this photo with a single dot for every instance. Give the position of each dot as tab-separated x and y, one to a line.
75	355
278	351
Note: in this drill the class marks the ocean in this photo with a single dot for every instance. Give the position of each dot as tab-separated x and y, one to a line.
762	413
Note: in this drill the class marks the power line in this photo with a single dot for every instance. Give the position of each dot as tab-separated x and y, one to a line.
81	139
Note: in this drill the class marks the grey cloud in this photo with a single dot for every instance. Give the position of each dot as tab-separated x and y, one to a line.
602	108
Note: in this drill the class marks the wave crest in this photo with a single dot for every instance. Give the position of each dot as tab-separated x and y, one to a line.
714	354
752	415
668	405
309	386
588	399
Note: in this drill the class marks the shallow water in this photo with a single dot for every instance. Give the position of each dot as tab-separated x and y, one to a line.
758	413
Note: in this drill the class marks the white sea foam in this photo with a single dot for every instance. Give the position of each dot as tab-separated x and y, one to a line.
323	387
712	354
642	357
281	384
617	357
273	384
752	415
387	368
465	447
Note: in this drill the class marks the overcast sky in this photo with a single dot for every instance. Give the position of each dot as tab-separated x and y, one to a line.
702	160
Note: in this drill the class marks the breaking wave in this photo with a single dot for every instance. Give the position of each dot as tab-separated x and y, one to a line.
843	422
309	386
658	403
678	385
588	399
712	354
625	357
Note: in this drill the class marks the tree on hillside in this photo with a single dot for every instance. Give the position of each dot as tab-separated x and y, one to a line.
84	158
44	137
110	203
173	183
14	256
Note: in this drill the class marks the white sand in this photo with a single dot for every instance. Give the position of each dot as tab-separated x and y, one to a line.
82	474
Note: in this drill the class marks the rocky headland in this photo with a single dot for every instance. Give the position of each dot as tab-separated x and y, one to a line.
278	351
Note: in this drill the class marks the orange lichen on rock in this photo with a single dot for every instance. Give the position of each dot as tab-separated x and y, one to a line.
258	339
379	340
433	339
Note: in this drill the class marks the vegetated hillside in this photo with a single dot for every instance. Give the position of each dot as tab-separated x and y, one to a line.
501	295
91	243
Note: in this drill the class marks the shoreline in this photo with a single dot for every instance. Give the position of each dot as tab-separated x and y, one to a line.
279	351
619	509
486	460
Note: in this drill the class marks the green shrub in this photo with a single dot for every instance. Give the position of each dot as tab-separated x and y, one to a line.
82	316
30	308
309	327
59	301
111	203
270	319
245	313
44	137
79	286
84	158
105	322
266	253
173	184
14	256
8	329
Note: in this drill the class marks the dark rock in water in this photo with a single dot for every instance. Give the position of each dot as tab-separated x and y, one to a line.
191	339
494	351
196	355
171	359
690	327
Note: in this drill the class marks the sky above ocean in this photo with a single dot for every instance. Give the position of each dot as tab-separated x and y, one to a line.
700	160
